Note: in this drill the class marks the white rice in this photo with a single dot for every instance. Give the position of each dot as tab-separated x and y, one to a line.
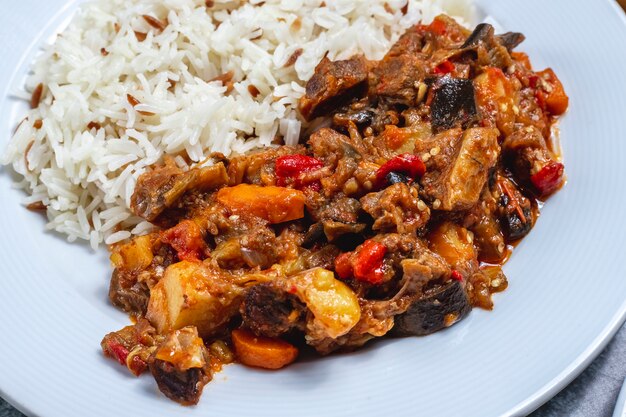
86	177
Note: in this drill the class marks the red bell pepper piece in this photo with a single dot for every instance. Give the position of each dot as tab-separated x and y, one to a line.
437	27
343	266
186	238
116	351
548	179
291	166
405	163
446	67
364	264
119	352
456	275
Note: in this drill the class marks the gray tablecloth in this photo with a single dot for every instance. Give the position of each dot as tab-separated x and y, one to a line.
592	394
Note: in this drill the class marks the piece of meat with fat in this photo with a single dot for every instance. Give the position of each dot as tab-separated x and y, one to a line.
256	248
138	268
458	166
395	79
341	155
258	167
132	346
180	366
271	312
532	162
341	217
162	187
397	208
378	316
127	293
334	84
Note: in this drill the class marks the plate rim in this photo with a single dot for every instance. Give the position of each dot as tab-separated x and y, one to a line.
531	403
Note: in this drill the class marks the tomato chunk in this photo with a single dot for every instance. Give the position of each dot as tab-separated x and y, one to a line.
186	238
548	179
289	168
556	101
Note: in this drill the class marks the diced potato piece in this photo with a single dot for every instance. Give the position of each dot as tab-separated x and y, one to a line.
134	255
478	154
453	243
190	294
274	204
262	352
333	304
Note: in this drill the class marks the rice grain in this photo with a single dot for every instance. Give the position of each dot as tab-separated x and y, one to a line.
129	82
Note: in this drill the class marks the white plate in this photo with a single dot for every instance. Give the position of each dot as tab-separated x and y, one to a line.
567	279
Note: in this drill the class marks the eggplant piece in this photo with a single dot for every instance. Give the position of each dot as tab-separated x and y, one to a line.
322	258
360	118
516	215
396	177
314	235
271	312
487	48
515	226
184	387
333	230
481	33
441	307
511	39
484	33
453	103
